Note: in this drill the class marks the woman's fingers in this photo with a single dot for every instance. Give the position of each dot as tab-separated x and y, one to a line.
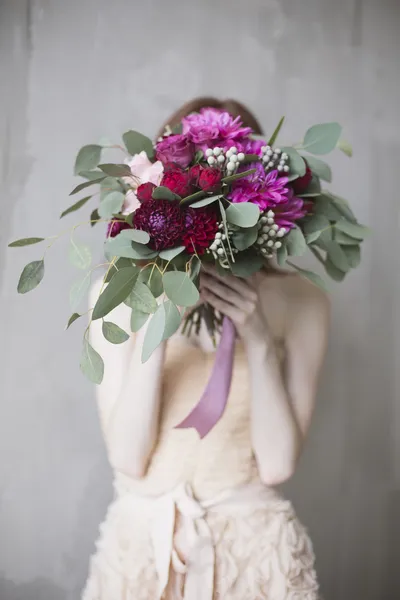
243	287
221	306
221	290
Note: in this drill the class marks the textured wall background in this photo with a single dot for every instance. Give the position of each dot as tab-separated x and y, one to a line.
72	72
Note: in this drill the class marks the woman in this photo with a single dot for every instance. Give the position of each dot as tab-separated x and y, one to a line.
200	519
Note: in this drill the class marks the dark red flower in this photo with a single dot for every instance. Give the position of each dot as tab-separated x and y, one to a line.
178	181
163	220
209	179
115	227
194	174
201	225
301	183
145	191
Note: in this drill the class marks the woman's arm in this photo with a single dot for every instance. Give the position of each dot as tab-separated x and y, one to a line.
129	396
280	414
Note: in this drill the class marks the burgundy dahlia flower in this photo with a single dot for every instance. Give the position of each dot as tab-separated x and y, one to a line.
163	220
201	225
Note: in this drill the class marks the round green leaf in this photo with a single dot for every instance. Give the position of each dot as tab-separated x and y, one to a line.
154	333
122	246
333	272
206	201
171	253
111	204
164	193
120	286
354	230
138	319
320	168
323	138
295	242
78	291
136	142
88	158
281	255
80	255
173	319
113	170
243	214
337	256
353	255
247	263
25	242
92	365
113	333
180	289
136	235
296	162
246	238
152	277
85	185
142	298
311	276
344	239
72	319
31	276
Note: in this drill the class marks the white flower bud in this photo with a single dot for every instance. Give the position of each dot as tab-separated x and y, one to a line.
278	245
218	235
233	150
275	156
260	240
264	237
280	168
269	152
220	251
266	229
241	156
281	232
228	154
270	214
286	168
217	151
234	158
211	160
209	152
263	219
270	243
285	156
270	164
275	227
265	158
223	237
221	158
278	150
272	233
263	148
213	247
270	221
231	166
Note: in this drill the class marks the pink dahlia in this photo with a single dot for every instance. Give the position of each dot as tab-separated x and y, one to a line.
212	127
265	189
163	220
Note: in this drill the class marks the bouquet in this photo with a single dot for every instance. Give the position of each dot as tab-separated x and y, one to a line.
208	191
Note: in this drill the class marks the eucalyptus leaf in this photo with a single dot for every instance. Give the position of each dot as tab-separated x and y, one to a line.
109	184
320	168
163	193
88	158
343	239
274	136
25	242
345	147
91	175
317	222
79	255
152	277
31	276
138	319
353	255
74	317
85	185
141	298
206	201
322	138
78	291
180	289
123	247
341	205
311	276
337	256
192	197
313	189
247	263
173	319
295	242
195	268
243	239
94	217
333	272
171	253
323	205
136	235
75	206
281	255
237	176
113	333
92	365
243	214
118	289
121	263
115	170
136	142
359	232
297	164
154	334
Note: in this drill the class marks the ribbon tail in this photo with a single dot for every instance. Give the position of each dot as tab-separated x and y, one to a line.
208	411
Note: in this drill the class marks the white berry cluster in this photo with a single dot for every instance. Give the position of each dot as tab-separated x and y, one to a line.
268	234
221	248
229	160
274	159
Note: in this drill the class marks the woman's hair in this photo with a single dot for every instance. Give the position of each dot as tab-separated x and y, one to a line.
236	109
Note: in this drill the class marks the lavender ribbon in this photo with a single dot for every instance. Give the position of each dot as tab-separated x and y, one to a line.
211	406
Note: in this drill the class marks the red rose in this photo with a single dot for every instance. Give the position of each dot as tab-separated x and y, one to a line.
145	191
301	183
177	181
194	174
175	148
209	179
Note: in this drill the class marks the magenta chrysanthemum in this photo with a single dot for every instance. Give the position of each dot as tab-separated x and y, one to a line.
265	189
212	127
289	212
163	220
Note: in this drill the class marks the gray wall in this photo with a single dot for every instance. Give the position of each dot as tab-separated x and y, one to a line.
72	72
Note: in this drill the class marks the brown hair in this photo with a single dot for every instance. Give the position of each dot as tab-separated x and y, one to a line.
236	109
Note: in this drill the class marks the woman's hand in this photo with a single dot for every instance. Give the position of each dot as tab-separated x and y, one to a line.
237	299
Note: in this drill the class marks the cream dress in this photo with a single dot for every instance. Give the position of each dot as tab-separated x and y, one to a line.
200	525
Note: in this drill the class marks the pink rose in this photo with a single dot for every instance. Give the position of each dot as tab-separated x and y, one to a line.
177	149
143	171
